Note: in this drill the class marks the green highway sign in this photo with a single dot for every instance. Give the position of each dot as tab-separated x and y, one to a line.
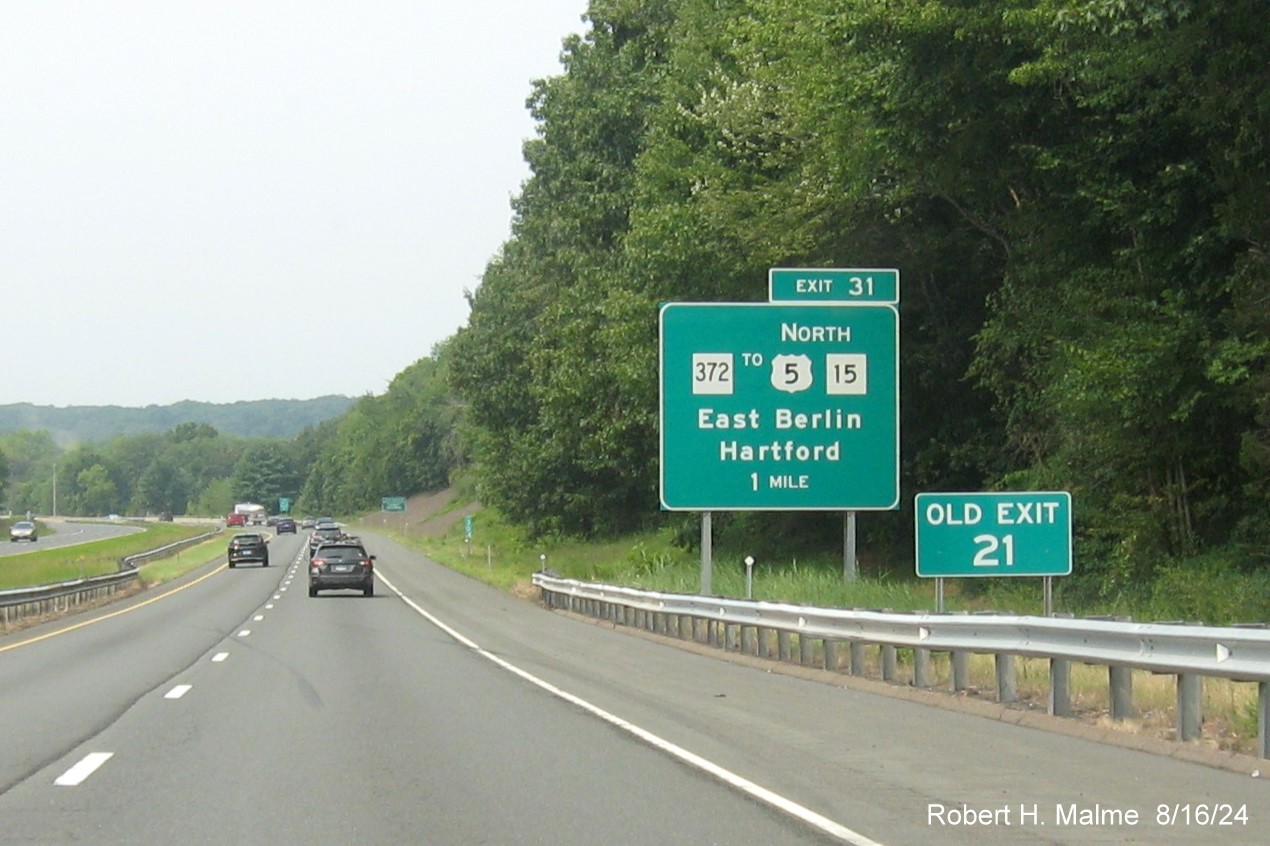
838	286
394	503
1011	533
284	504
774	407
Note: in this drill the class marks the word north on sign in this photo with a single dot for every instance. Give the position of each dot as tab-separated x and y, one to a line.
779	407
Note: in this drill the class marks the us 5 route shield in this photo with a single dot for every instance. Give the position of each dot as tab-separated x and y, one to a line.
772	407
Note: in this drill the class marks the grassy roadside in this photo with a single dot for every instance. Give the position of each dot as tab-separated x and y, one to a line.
502	556
48	566
182	561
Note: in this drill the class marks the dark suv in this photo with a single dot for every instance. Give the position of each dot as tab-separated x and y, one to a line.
324	535
343	565
248	547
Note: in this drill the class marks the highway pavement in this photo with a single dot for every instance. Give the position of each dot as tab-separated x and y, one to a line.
231	707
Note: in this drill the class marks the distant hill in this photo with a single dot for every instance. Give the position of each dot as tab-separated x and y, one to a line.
274	418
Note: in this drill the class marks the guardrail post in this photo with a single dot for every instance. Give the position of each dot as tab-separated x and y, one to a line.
1190	706
857	658
806	650
831	654
889	662
764	644
1263	718
960	668
921	668
1121	681
1007	690
1060	698
749	640
732	638
782	646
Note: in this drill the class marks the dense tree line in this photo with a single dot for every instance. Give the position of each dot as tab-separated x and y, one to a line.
1075	192
190	469
397	444
272	418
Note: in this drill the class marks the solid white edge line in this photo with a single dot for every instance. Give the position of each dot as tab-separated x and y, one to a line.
741	783
86	767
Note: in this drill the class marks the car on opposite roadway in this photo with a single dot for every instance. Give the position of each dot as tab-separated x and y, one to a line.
324	534
235	519
23	530
248	546
285	526
342	565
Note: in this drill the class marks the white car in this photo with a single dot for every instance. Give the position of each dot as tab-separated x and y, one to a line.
22	530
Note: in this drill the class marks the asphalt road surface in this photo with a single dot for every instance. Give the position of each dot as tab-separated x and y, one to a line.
232	708
67	533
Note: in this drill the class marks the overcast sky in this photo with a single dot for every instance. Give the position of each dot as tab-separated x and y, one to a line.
253	199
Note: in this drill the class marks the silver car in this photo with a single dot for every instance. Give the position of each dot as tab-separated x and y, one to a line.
22	530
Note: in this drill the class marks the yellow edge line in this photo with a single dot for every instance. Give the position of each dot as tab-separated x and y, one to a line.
112	614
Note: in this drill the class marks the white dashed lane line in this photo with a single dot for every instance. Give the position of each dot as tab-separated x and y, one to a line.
90	763
86	767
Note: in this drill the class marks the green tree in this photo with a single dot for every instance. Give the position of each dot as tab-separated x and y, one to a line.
509	363
214	499
164	486
96	494
262	474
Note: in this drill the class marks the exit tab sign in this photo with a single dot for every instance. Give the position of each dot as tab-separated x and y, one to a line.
1013	533
833	286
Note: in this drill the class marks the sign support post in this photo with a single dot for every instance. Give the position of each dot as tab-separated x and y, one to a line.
1004	533
707	554
849	570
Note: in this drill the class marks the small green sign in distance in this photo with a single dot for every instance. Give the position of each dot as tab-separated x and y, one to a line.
773	407
284	504
1012	533
394	503
833	285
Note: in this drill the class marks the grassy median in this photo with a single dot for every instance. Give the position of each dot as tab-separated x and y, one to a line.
63	564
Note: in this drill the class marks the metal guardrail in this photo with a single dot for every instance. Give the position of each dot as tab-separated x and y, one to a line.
19	603
1190	652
